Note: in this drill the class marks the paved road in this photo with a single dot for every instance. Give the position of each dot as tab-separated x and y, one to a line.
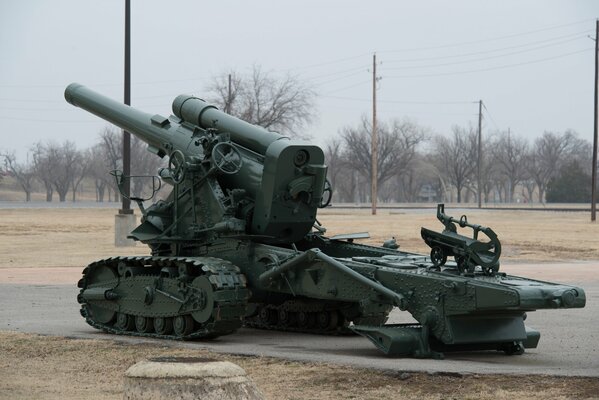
569	338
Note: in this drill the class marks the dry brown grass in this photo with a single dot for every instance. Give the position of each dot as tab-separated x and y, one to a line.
48	368
524	235
75	237
58	237
37	367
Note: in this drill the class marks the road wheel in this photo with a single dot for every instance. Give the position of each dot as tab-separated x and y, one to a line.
183	325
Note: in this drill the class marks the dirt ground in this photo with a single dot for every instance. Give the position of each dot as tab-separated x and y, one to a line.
75	237
37	367
50	367
524	235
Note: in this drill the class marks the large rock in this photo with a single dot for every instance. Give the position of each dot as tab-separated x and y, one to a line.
188	378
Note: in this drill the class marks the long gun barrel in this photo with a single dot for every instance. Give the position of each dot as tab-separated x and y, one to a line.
149	128
196	111
283	178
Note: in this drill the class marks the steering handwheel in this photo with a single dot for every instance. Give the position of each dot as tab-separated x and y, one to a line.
327	194
176	166
226	158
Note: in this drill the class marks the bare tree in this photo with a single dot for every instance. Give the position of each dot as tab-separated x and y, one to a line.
42	168
547	157
335	160
108	157
56	164
511	156
111	142
456	157
396	146
143	163
226	90
64	160
23	173
408	184
282	104
489	171
98	171
81	169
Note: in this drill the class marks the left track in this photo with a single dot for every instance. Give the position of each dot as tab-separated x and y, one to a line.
164	297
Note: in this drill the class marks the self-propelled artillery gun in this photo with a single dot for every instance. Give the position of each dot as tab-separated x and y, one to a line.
237	242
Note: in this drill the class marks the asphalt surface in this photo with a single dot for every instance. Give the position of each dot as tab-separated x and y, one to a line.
569	343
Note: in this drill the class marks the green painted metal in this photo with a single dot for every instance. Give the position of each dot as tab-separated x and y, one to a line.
468	252
237	242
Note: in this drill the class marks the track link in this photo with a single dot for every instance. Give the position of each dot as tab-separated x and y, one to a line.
300	316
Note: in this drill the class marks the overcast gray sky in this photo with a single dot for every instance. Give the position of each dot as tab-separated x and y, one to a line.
531	62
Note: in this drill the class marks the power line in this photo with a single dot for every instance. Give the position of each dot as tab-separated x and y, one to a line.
483	58
341	77
489	39
402	101
36	86
490	117
574	36
31	109
31	100
49	120
348	87
360	56
337	61
490	68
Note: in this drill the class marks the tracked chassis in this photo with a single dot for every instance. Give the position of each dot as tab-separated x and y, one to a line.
237	241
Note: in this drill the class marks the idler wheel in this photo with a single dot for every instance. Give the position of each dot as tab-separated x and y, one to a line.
183	325
205	302
124	322
143	324
163	326
99	274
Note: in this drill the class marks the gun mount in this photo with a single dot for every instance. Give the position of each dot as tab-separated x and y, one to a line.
236	242
468	252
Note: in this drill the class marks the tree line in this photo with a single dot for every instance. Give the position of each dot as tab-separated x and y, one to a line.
60	168
414	163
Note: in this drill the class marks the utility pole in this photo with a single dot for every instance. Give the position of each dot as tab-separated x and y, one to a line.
126	206
509	186
228	108
594	171
480	148
374	150
125	220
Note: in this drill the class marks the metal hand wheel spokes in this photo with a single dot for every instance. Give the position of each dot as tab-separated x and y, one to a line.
327	194
176	166
226	158
438	256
